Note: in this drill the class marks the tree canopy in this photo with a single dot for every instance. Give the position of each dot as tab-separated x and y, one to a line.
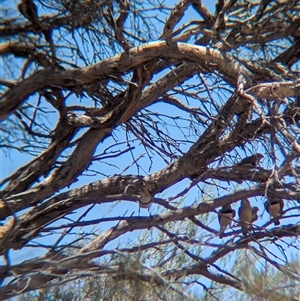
184	109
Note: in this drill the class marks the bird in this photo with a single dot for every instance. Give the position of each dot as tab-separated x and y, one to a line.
274	207
145	196
28	9
251	161
254	214
247	215
226	214
145	200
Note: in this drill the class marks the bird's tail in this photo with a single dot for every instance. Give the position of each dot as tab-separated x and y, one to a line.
277	223
244	231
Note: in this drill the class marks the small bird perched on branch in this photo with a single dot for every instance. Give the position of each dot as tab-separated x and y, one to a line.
254	214
226	214
28	9
274	207
141	187
251	161
145	198
247	214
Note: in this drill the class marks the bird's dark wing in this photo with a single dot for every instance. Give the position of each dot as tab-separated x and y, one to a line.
248	160
267	206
